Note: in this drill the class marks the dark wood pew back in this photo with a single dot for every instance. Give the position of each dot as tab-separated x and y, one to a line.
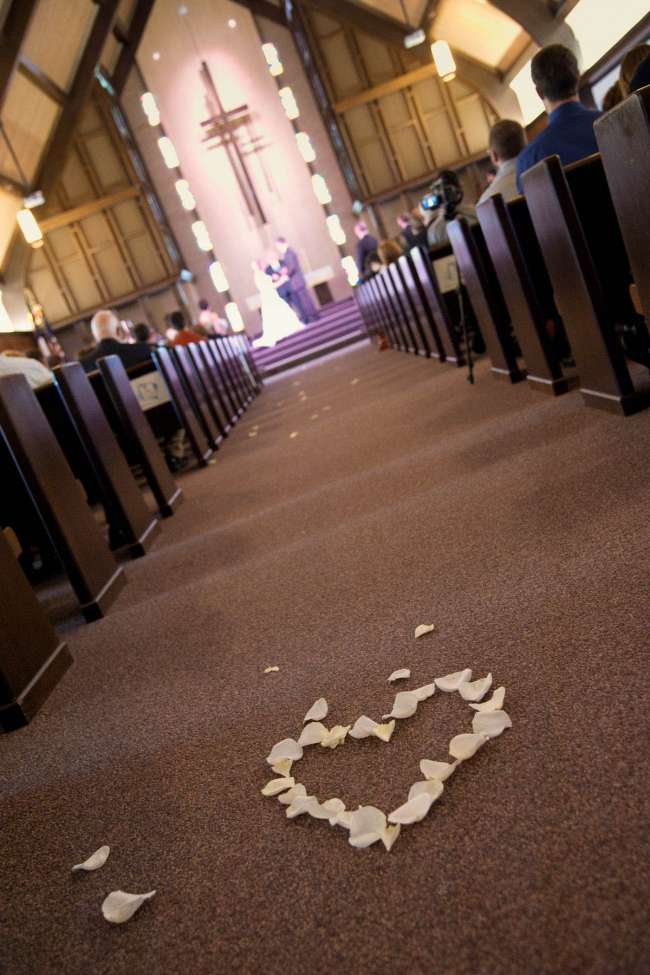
433	299
196	437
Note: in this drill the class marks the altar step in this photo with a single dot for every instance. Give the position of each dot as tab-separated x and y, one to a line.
340	324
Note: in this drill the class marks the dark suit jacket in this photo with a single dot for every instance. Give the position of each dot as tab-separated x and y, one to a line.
131	355
366	246
285	289
292	264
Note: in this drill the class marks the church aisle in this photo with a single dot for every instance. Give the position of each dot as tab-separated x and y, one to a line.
518	525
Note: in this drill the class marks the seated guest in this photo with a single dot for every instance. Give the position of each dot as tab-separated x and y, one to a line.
389	252
507	139
109	336
146	334
629	67
641	77
570	130
367	245
612	97
451	208
16	363
182	334
405	224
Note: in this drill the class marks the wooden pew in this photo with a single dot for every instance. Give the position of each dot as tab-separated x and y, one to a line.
576	226
233	398
211	399
519	265
124	504
93	573
362	298
241	343
33	658
125	415
429	340
407	307
235	372
479	277
404	341
384	312
397	295
434	301
197	395
196	437
623	136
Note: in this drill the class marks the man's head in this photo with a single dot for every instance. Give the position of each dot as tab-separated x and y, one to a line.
204	304
177	320
361	229
105	325
282	245
507	139
142	332
555	74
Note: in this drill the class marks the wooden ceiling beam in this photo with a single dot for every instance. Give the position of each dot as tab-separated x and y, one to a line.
262	8
130	43
14	29
369	21
428	13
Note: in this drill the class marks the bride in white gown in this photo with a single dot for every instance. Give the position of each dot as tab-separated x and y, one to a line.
278	318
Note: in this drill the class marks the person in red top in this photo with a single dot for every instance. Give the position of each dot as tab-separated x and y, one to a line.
184	335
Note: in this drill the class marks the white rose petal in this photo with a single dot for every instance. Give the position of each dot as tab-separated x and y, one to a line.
402	674
389	836
367	825
452	682
317	711
491	723
404	705
363	727
436	770
119	906
276	786
476	689
384	731
343	819
463	747
334	807
495	703
423	629
422	693
300	805
94	862
271	670
298	791
430	787
412	811
335	737
287	748
283	767
312	734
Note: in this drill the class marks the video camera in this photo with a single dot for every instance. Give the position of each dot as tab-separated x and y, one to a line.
444	191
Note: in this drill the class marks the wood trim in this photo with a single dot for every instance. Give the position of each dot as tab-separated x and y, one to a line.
67	217
40	79
149	289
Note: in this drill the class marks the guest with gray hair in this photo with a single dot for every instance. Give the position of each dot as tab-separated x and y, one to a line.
109	336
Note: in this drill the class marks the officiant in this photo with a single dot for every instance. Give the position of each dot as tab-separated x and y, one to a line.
298	295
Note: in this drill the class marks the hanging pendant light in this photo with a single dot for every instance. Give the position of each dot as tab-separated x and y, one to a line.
443	60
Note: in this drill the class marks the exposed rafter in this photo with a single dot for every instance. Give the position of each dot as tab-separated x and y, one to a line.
538	20
14	28
130	43
361	17
428	13
263	8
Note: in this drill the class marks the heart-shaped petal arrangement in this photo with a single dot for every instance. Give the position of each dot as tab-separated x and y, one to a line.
367	824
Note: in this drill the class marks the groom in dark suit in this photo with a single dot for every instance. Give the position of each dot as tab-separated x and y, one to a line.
299	296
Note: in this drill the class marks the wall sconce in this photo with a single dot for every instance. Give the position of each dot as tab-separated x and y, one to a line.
150	108
202	236
219	279
289	103
270	52
444	60
321	189
233	315
168	152
337	233
305	147
185	194
30	228
349	265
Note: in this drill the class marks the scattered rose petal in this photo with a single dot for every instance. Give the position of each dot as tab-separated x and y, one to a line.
402	674
412	811
367	825
287	748
354	382
119	906
430	787
298	791
452	682
389	836
491	723
300	806
317	711
327	408
463	747
271	670
363	727
495	703
276	786
404	705
336	736
283	767
422	693
476	689
293	435
314	416
384	731
436	770
312	734
343	819
252	433
423	629
94	862
334	807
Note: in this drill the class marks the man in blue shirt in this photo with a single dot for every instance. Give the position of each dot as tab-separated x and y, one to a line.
570	130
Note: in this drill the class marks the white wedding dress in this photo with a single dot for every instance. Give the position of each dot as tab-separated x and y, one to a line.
278	318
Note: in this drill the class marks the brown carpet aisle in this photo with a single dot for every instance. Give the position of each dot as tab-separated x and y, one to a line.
519	525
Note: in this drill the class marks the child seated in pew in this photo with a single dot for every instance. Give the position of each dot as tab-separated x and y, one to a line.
507	141
570	130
